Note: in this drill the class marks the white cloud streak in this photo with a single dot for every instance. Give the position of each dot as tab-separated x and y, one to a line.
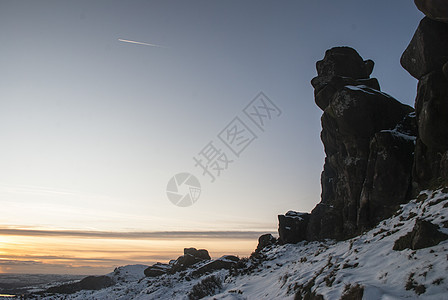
141	43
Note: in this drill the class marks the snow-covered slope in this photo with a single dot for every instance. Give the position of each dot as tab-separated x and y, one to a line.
366	264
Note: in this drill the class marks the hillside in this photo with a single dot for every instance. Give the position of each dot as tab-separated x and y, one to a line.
380	229
366	265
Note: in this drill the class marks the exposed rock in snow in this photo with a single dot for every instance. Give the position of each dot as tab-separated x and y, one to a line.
264	241
88	283
425	234
361	132
365	264
292	227
426	58
130	272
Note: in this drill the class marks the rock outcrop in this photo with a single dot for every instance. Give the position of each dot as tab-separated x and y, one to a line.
265	241
156	270
88	283
426	58
424	234
379	152
224	262
199	261
435	9
427	50
369	139
191	257
292	227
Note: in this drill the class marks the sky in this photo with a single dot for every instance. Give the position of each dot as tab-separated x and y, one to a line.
93	127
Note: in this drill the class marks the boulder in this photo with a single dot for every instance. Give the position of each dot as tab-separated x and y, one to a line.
191	257
344	62
424	234
157	269
225	262
426	58
264	241
201	253
360	111
434	9
292	227
88	283
391	155
184	262
326	221
325	87
428	49
432	110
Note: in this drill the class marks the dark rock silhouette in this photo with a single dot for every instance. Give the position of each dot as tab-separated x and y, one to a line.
201	253
264	241
435	9
198	260
426	58
191	257
368	138
427	50
379	153
424	234
358	122
387	182
292	227
157	270
225	262
88	283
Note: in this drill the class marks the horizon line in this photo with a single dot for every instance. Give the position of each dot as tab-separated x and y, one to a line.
134	234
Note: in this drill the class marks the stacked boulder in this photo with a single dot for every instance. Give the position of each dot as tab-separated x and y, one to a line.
197	261
368	138
191	257
426	59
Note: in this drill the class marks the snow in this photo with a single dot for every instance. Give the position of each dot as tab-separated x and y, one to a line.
295	215
129	273
366	89
368	260
398	134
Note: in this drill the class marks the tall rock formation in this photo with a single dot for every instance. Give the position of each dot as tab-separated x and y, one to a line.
368	138
426	58
368	142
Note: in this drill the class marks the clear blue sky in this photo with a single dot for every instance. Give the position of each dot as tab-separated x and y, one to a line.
93	128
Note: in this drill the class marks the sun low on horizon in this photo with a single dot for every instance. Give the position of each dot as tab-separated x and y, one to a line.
134	129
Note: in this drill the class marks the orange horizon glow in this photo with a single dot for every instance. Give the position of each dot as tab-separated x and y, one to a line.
93	256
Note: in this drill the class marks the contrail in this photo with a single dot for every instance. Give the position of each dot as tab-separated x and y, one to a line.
141	43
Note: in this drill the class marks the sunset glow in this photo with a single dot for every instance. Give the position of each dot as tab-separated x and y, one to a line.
94	256
95	121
